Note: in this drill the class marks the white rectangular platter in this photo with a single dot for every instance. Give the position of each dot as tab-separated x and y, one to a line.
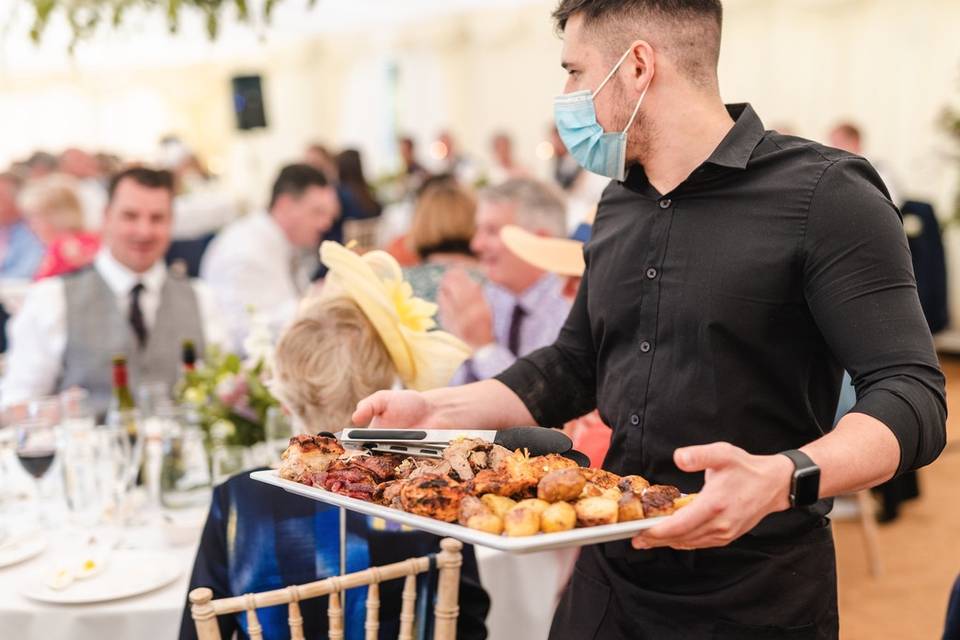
525	544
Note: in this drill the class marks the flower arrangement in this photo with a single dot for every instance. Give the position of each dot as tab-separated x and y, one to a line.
230	395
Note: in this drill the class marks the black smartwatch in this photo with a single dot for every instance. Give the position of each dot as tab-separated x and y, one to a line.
805	485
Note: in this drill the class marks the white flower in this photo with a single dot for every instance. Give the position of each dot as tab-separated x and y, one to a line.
258	345
221	430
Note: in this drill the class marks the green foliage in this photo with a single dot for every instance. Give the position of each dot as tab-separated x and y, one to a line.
85	16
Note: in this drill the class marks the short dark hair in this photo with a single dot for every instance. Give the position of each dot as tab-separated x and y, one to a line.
145	177
294	180
695	45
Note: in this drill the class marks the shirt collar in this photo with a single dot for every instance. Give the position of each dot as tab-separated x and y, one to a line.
737	146
121	280
734	150
533	297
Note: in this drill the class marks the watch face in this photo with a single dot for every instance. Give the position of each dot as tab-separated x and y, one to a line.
807	486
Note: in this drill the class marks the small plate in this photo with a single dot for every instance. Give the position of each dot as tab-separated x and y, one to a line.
18	548
127	574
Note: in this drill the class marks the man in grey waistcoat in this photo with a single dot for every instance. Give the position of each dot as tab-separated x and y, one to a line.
127	303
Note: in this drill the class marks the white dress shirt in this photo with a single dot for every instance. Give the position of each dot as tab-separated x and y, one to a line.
38	332
252	269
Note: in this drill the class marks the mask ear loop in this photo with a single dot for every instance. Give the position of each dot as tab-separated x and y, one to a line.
636	109
612	71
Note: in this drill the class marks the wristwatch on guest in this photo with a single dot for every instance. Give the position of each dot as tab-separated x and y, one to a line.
805	485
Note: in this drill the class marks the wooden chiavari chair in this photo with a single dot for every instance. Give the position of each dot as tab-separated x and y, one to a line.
205	609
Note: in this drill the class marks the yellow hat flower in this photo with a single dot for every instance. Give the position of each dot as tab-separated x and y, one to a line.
424	359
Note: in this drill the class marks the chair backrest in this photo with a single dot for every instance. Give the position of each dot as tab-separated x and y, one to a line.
204	609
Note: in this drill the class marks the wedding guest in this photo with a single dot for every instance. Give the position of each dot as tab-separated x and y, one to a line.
451	160
352	179
41	164
505	166
85	168
522	307
262	263
322	159
566	171
52	209
70	327
20	250
413	172
343	345
444	222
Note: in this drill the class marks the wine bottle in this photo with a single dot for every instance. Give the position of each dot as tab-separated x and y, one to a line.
188	356
122	411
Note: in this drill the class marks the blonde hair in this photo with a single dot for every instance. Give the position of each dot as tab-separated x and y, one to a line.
53	198
328	360
445	215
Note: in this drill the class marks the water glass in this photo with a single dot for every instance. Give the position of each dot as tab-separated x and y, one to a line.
85	487
116	464
185	470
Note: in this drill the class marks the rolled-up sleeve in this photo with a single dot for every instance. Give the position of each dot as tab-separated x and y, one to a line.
860	288
558	383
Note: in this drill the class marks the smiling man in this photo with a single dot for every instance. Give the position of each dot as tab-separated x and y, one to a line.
733	274
128	304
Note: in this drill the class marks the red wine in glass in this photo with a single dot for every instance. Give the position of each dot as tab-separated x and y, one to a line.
36	462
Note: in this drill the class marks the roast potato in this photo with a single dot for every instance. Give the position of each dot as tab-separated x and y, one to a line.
560	485
591	490
521	521
683	501
471	506
498	504
596	511
489	522
559	516
629	507
534	503
636	484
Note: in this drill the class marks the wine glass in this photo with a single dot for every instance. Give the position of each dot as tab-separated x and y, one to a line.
36	448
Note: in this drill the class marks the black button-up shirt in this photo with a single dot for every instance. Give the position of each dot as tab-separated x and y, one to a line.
727	310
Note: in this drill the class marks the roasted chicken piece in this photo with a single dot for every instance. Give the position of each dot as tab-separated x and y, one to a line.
601	477
415	467
498	483
561	484
658	500
307	455
432	495
467	456
635	484
542	465
388	493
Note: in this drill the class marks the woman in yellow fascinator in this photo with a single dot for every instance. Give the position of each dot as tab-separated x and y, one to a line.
364	331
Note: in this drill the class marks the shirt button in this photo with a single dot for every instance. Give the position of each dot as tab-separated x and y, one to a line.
645	346
634	419
665	203
651	273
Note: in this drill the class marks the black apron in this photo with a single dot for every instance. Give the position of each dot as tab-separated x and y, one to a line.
754	589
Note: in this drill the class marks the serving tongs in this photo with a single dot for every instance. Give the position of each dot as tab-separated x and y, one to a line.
431	443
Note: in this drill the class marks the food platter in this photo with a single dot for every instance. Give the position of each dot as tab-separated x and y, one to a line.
522	544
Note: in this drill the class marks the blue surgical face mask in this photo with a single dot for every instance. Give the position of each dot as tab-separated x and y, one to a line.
593	148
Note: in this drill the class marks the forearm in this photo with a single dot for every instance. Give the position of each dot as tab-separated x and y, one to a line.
859	453
488	404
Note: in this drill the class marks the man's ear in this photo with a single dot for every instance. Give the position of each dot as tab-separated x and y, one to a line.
641	63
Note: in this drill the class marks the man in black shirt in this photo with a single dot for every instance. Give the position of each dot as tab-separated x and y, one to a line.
733	274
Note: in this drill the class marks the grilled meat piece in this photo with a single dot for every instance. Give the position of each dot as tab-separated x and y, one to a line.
542	465
382	466
347	479
306	455
634	484
602	478
432	495
658	500
498	483
387	492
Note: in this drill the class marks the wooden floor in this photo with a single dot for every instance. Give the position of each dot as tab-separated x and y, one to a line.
920	552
